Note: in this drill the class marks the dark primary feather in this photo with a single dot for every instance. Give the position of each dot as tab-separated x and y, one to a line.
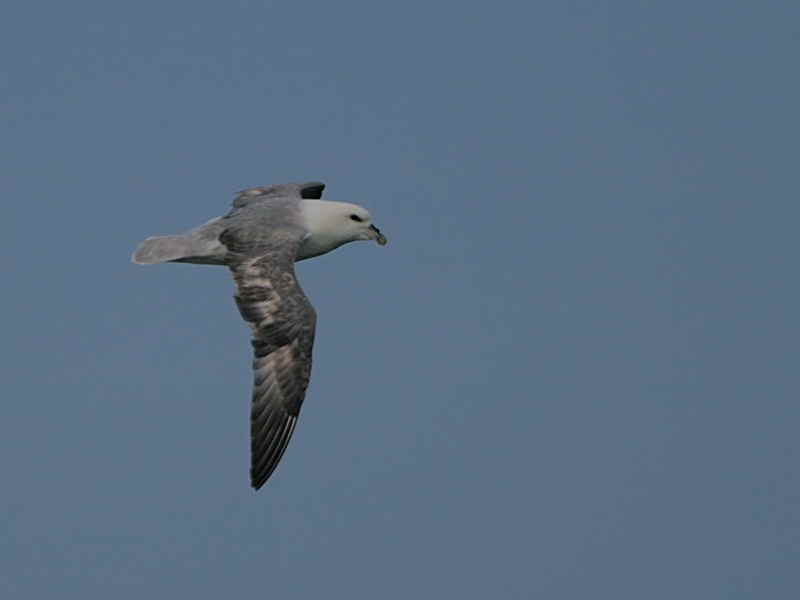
311	190
282	320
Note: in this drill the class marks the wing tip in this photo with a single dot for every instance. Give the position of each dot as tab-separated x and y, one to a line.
262	469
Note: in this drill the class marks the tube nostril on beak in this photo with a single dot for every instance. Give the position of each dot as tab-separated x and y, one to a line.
379	237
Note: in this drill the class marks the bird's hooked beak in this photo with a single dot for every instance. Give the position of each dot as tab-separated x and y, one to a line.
376	234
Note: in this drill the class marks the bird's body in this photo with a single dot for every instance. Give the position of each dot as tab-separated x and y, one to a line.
259	240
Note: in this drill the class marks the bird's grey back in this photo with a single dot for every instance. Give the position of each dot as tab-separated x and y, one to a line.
258	214
260	223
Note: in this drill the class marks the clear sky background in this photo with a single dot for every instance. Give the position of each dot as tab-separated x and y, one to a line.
572	373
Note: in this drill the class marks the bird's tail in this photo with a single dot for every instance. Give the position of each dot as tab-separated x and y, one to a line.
162	249
199	246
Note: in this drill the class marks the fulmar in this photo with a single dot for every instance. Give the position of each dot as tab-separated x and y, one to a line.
259	240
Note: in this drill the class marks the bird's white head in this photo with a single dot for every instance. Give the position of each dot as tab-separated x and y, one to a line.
331	224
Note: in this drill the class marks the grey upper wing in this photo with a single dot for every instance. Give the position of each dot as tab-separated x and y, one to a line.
311	190
283	321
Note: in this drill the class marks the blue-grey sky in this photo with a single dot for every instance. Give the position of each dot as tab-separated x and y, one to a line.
572	373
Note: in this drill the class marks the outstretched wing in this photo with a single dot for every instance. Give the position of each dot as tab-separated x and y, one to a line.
283	320
311	190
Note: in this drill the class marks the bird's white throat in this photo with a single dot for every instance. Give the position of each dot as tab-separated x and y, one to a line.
327	226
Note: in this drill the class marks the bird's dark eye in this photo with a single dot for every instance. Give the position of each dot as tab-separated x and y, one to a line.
356	218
